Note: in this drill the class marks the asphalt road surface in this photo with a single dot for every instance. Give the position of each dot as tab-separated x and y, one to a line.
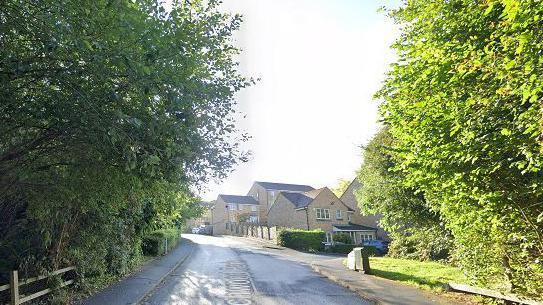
228	271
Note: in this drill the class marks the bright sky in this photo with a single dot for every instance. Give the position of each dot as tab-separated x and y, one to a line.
320	62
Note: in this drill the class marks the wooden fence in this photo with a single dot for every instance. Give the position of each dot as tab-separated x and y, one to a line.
15	284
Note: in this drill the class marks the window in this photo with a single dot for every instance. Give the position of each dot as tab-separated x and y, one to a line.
338	214
253	218
271	197
322	213
232	218
232	207
349	215
240	207
253	208
366	236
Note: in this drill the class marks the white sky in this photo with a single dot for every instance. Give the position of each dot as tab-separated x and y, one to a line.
320	62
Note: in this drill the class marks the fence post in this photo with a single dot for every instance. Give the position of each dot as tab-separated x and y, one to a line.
14	287
166	246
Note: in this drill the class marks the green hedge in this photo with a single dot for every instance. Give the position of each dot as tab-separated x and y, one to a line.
302	239
341	248
155	242
343	238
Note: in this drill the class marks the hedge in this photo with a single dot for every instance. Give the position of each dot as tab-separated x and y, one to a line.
307	240
342	248
343	238
155	242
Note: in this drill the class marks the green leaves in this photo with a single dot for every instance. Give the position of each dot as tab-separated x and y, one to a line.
111	112
464	111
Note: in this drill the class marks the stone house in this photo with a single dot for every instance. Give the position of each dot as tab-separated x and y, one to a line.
317	209
266	193
233	209
371	220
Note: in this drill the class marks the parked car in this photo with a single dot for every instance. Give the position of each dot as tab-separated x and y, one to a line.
381	246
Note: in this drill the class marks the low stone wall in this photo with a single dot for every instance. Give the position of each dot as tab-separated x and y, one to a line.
257	231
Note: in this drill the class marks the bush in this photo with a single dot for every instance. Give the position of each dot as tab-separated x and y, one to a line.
341	248
343	238
155	242
421	244
307	240
345	249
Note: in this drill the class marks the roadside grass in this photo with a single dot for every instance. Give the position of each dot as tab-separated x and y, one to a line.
424	275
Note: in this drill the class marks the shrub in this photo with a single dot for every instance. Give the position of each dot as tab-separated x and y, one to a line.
343	238
343	248
155	242
307	240
421	244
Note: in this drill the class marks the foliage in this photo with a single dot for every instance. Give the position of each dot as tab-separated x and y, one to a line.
157	242
111	112
306	240
341	187
343	238
422	244
463	103
341	248
346	248
416	230
426	275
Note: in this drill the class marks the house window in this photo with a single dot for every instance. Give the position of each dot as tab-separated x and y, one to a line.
366	237
271	197
232	218
253	208
232	207
253	218
338	214
349	215
322	213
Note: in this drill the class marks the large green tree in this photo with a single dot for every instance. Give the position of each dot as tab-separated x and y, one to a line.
463	102
111	111
416	230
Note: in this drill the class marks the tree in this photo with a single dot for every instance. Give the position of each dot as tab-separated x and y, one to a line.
463	103
415	229
111	112
341	187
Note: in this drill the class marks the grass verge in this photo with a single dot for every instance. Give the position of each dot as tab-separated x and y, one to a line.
425	275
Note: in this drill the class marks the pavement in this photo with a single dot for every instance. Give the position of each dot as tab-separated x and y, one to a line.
376	289
236	270
132	289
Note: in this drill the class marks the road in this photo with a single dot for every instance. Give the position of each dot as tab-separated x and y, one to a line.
224	270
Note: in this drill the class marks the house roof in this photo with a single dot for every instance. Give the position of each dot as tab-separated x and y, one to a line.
285	186
348	197
238	199
300	200
354	227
